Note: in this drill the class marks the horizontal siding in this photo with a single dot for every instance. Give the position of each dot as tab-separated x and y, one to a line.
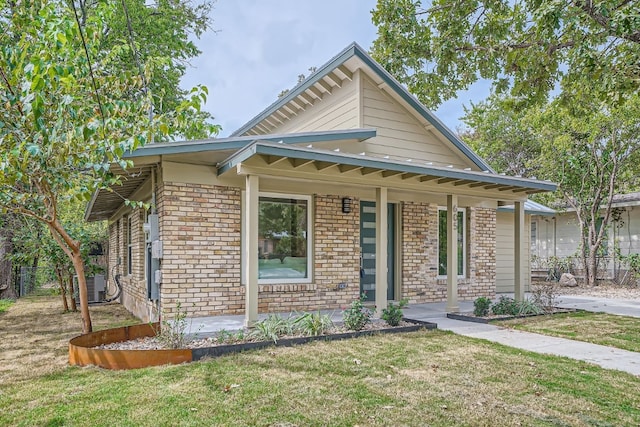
505	252
338	110
400	135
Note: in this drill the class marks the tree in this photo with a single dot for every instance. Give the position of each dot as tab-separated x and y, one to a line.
504	134
592	151
163	31
69	112
530	47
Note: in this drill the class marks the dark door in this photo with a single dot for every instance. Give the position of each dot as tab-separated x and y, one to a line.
368	250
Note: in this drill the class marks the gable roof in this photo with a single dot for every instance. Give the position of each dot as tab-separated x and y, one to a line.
337	65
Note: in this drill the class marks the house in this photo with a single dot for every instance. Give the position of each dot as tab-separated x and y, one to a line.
558	235
345	185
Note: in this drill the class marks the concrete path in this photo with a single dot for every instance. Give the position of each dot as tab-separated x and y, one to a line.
606	357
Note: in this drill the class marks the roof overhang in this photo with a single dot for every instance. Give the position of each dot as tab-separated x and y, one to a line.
265	156
531	208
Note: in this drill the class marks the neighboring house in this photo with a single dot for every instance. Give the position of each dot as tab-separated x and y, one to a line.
348	175
558	235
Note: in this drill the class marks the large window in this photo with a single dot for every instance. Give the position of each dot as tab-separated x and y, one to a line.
442	242
283	239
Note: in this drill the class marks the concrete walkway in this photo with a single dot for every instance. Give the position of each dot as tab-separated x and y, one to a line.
606	357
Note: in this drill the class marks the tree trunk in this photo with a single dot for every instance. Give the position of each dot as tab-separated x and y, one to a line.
7	289
71	247
72	292
63	290
592	269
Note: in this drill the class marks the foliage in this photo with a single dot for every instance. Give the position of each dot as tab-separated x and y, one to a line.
505	306
70	111
632	261
313	324
272	328
502	133
481	306
5	304
357	316
545	295
173	332
393	313
530	48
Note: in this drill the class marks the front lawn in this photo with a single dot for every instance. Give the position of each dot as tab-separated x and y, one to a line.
598	328
424	378
5	304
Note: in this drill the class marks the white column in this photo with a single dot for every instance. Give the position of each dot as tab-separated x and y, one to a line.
251	250
519	250
452	253
382	236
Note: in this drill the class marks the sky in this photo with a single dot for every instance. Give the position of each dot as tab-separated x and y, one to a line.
259	47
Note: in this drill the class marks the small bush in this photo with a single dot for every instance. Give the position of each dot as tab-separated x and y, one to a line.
528	307
313	324
272	328
505	306
393	313
173	332
5	304
357	315
481	306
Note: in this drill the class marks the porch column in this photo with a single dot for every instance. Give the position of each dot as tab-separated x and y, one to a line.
381	249
519	250
452	253
251	250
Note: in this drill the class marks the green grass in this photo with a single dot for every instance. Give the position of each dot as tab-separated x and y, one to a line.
425	378
598	328
5	304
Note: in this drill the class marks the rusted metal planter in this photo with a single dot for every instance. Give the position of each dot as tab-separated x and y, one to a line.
82	351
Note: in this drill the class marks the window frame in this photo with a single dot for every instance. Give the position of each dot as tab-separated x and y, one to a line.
465	255
309	231
129	225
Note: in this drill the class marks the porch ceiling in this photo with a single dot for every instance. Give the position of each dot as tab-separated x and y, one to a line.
277	159
104	201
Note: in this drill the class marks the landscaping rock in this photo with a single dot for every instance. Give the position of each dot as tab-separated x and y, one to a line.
568	280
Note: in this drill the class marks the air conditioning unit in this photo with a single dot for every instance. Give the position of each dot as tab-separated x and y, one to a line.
96	287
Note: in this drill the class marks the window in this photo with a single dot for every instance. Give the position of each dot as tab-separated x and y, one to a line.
442	242
129	245
534	237
283	239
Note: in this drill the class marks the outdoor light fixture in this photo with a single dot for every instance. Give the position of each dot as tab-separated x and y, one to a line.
346	205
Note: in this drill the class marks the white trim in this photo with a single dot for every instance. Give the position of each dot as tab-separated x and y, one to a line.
129	237
465	255
309	231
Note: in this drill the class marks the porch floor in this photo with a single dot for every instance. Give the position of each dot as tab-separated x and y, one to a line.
203	327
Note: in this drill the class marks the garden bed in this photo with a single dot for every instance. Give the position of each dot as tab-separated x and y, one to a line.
85	350
470	317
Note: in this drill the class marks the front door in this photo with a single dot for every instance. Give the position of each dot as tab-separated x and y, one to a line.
368	250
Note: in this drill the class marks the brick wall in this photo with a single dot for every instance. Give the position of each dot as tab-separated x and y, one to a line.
420	281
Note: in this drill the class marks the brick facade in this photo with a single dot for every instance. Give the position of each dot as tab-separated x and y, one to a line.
200	226
420	281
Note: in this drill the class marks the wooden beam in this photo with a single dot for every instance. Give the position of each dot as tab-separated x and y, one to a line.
387	174
518	242
382	250
272	160
511	187
409	175
446	180
290	110
427	178
369	171
270	123
477	184
250	237
326	86
314	90
452	254
320	165
275	117
344	70
334	78
284	114
308	98
298	163
462	182
347	168
299	105
492	186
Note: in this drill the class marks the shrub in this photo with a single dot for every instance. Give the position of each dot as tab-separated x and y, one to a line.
173	332
313	324
272	328
505	306
481	306
545	295
527	307
393	313
357	315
